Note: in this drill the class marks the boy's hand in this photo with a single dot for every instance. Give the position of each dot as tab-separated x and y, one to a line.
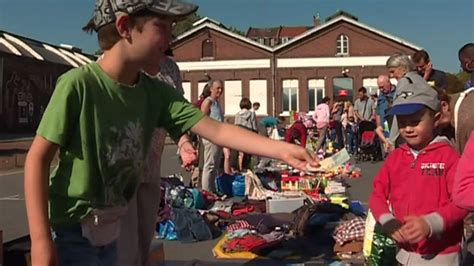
398	236
298	157
415	229
43	252
188	155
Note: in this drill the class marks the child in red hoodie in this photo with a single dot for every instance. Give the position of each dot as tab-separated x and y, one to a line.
411	197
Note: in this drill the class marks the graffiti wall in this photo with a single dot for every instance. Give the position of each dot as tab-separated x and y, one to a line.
27	85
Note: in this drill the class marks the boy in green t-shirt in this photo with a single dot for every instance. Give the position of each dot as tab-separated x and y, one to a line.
101	118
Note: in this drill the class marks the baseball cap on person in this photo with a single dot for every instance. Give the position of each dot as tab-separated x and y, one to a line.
413	96
105	10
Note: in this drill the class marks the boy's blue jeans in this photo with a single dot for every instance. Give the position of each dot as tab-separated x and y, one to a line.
74	249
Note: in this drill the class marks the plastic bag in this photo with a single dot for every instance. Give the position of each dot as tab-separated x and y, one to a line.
238	186
275	135
383	250
167	230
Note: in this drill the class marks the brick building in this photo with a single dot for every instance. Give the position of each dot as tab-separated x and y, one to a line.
341	53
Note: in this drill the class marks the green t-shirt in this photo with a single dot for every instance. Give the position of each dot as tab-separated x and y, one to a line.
104	130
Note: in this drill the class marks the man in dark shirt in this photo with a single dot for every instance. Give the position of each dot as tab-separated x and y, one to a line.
435	78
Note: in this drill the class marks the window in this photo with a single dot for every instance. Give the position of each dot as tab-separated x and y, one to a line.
232	96
201	86
267	41
272	42
258	93
343	84
371	85
290	96
342	45
187	90
394	81
284	39
315	93
207	49
261	41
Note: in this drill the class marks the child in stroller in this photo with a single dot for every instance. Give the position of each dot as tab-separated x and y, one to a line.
369	145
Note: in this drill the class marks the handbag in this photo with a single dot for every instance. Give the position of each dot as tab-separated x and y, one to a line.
102	226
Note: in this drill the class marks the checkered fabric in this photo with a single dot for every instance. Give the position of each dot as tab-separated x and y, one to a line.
239	224
350	231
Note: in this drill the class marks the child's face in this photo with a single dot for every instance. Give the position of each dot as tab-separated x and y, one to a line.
151	43
417	129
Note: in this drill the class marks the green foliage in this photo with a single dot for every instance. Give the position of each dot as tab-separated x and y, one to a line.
235	30
455	82
186	24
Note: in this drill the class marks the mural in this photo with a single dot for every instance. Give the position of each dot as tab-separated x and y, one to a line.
26	96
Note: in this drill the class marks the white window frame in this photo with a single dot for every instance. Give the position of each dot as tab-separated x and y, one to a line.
187	90
394	81
254	86
231	107
316	85
291	85
201	86
342	45
371	85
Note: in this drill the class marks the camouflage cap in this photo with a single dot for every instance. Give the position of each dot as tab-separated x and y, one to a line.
412	94
105	10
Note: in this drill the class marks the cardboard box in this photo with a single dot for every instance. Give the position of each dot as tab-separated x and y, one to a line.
157	255
285	205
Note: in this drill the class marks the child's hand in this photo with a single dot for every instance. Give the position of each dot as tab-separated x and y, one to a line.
398	236
415	229
188	155
298	157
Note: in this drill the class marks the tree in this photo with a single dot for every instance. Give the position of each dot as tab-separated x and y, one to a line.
455	82
235	30
186	24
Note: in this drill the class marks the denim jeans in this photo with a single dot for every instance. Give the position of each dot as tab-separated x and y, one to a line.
351	140
74	249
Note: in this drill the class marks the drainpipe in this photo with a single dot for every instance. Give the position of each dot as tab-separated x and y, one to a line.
273	84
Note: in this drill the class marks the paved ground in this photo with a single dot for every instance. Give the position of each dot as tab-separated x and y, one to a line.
13	215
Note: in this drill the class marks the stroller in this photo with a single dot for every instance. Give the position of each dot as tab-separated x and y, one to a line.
369	144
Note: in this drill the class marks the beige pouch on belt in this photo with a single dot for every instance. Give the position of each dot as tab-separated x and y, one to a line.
102	226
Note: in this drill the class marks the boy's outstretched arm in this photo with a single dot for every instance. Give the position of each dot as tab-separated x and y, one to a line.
240	139
37	167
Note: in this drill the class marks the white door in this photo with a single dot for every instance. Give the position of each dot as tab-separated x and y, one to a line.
187	90
258	93
232	96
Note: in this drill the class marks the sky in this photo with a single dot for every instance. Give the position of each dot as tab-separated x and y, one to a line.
439	26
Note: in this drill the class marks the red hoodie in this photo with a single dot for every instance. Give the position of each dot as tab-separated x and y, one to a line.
464	180
421	187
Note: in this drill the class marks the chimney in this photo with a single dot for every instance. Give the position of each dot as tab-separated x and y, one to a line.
316	20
